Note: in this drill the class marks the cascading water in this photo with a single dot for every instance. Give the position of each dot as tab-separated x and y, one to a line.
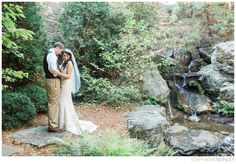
185	82
193	117
190	98
213	56
170	109
190	66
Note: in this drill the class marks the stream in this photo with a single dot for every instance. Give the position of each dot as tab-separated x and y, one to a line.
194	120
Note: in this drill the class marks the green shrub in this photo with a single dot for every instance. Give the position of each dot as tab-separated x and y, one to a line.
37	95
17	109
152	100
112	46
102	90
224	107
35	49
110	144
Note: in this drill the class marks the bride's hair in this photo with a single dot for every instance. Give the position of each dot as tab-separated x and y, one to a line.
65	62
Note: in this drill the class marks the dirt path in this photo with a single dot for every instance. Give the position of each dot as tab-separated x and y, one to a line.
105	117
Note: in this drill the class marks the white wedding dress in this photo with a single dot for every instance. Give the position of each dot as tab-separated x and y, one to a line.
68	119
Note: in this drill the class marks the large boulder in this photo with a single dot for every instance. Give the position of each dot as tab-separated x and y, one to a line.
199	103
227	92
149	122
225	52
189	102
156	86
212	79
190	141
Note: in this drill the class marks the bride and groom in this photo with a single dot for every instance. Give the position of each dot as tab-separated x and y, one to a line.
61	81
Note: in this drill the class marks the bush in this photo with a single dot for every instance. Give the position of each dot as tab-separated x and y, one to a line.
102	90
37	95
111	144
224	107
111	42
17	109
152	100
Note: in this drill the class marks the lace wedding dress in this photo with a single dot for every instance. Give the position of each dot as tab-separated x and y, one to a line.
68	119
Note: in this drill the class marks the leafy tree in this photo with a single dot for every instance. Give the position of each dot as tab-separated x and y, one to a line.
110	46
11	33
19	45
35	49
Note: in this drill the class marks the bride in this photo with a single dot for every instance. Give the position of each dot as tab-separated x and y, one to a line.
70	83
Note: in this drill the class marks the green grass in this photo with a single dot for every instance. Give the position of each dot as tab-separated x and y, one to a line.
109	144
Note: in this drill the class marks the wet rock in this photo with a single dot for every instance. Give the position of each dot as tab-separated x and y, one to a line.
189	141
149	122
190	102
196	65
156	86
205	54
38	136
220	119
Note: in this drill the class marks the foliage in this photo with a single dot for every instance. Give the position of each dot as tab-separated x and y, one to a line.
101	90
164	64
110	44
25	47
35	49
174	11
11	33
144	12
218	15
196	84
10	75
37	95
151	101
17	109
224	18
109	144
224	107
133	46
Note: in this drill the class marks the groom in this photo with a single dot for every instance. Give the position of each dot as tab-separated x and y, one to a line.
52	85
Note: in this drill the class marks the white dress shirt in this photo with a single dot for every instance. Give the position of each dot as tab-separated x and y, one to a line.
52	60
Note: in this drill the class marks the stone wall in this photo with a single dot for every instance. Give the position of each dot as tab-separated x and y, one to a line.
51	12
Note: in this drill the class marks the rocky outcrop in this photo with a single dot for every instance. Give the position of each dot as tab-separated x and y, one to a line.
51	12
149	122
227	146
191	141
189	102
156	86
227	92
225	52
212	79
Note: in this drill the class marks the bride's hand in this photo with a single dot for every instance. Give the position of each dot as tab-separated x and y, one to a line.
56	72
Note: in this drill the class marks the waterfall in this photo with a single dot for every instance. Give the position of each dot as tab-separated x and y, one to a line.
184	83
190	99
213	56
193	117
190	66
170	109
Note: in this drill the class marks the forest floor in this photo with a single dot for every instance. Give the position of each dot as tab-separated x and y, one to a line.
105	117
